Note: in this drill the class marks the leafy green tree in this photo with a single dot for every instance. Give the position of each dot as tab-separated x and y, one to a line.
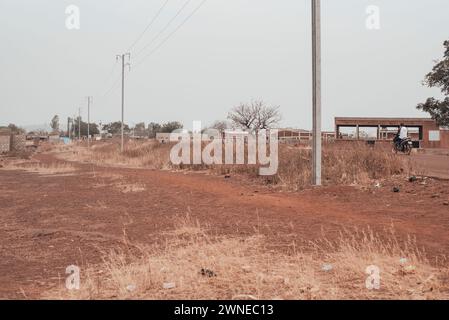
55	123
15	129
140	129
93	128
115	127
153	129
438	78
169	127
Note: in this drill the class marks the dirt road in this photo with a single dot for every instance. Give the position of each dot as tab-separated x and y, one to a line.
434	164
48	222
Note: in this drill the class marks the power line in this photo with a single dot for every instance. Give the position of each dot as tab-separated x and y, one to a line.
114	85
164	28
110	74
123	75
171	34
117	81
149	25
112	70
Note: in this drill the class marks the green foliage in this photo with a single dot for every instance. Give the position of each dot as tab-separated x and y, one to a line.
153	129
115	127
93	128
55	123
438	78
169	127
140	130
15	129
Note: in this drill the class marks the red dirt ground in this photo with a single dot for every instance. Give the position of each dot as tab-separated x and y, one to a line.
48	222
434	164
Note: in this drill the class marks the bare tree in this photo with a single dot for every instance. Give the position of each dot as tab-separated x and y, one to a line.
242	116
255	116
267	117
220	125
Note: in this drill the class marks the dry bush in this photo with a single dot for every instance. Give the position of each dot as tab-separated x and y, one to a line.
204	267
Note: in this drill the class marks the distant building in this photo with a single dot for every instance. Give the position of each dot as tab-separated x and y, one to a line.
54	138
163	137
4	144
5	131
9	141
301	135
425	132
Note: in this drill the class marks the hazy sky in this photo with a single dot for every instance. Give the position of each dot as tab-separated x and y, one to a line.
230	51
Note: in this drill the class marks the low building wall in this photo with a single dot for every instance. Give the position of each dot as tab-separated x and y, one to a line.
18	142
5	143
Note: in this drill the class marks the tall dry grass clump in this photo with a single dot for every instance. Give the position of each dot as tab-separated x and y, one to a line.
354	163
195	265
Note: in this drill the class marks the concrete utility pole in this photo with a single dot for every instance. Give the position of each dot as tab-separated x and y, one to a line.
68	127
73	126
89	101
122	57
79	124
316	56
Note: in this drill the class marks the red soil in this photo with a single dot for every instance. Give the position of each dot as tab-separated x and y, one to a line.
50	222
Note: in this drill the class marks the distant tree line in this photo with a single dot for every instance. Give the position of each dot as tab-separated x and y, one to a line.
14	129
77	122
154	128
142	130
251	116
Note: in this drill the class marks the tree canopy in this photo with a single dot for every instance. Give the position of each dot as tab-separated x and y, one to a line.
171	126
93	128
438	78
115	127
153	129
15	129
55	123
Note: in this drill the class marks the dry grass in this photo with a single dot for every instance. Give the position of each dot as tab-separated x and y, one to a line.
204	267
130	187
349	164
343	164
40	168
149	154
